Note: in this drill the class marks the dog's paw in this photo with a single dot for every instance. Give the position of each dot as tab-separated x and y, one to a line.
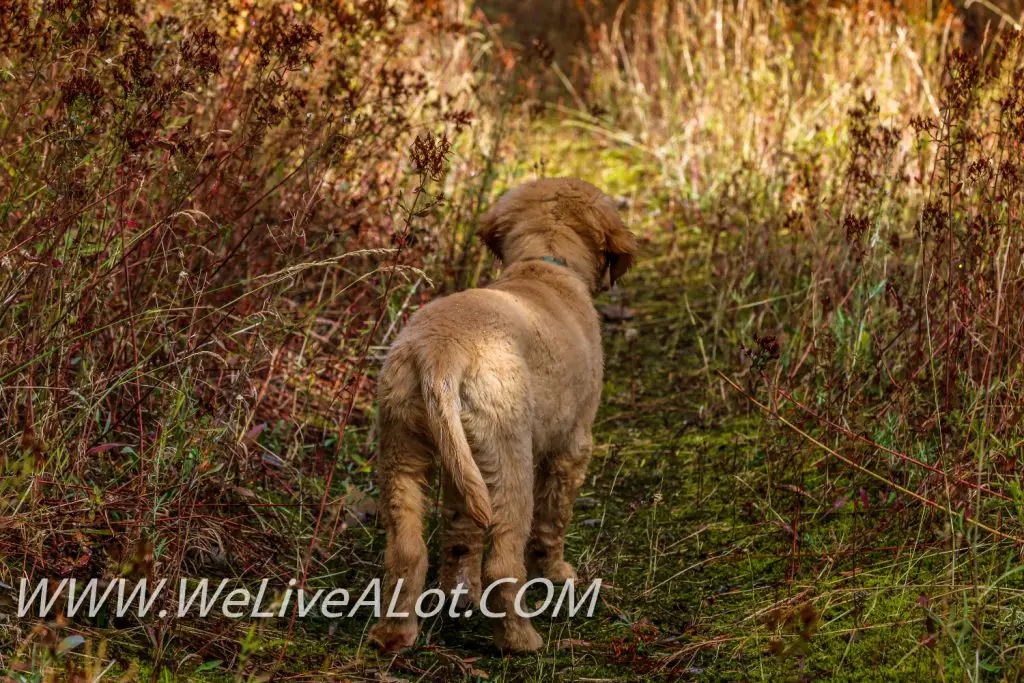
521	638
390	635
560	572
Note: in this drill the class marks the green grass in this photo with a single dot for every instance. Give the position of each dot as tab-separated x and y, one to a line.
790	226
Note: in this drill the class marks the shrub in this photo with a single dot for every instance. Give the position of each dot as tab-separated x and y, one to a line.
212	213
845	183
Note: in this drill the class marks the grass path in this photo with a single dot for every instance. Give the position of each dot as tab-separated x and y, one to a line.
717	562
682	519
719	558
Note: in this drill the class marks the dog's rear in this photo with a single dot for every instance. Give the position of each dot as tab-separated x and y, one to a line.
494	385
442	356
437	373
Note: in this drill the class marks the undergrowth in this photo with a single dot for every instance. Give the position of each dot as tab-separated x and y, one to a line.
216	217
847	202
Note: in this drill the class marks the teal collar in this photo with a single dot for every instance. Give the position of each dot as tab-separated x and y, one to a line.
549	259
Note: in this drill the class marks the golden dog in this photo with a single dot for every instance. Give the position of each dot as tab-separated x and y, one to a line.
502	384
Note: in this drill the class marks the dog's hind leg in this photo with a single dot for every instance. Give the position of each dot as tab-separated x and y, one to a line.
462	547
403	467
558	481
511	492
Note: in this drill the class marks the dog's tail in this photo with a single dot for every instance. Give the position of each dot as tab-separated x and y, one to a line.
441	396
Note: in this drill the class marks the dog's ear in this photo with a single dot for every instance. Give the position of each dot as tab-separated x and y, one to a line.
493	227
620	245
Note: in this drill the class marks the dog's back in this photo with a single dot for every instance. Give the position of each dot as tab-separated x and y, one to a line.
521	358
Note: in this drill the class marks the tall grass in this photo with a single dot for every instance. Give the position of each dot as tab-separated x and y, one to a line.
214	214
711	90
845	186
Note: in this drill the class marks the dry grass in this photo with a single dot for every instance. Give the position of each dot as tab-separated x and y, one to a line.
853	181
216	217
842	185
213	217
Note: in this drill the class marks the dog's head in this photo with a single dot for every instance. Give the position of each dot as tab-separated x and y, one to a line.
563	218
